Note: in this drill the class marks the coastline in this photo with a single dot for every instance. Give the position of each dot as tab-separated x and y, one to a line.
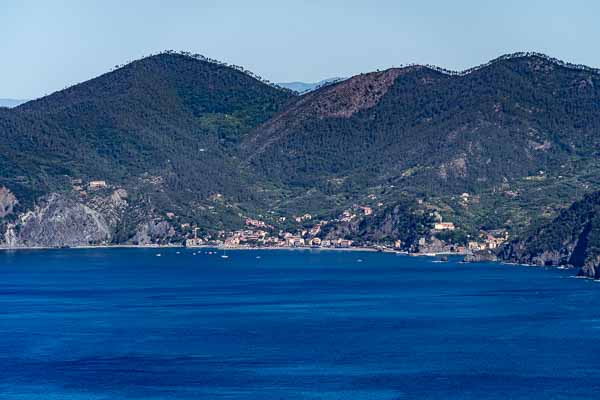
242	248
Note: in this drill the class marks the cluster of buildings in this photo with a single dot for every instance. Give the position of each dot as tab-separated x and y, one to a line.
79	186
355	212
489	240
262	238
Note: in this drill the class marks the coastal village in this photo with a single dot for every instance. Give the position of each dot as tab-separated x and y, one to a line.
307	231
260	234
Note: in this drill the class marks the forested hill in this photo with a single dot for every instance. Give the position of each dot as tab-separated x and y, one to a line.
425	128
169	115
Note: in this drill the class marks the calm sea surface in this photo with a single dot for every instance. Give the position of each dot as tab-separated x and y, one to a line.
126	324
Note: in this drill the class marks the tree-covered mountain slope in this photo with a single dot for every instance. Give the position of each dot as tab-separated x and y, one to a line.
571	239
167	115
419	126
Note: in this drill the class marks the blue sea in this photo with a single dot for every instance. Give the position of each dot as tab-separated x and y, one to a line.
277	324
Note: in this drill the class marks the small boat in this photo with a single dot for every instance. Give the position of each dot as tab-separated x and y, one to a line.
257	257
224	256
359	260
158	255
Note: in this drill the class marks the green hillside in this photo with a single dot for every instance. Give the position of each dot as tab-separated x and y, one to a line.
168	115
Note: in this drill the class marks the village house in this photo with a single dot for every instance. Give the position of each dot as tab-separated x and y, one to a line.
256	223
475	246
232	242
347	216
294	241
444	226
193	242
302	218
366	210
97	184
494	242
315	242
343	243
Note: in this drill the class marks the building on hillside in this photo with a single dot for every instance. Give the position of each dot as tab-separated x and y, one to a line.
444	226
232	242
97	184
294	241
255	222
343	243
476	246
302	218
194	242
494	242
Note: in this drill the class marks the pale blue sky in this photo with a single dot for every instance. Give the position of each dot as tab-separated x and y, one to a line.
47	45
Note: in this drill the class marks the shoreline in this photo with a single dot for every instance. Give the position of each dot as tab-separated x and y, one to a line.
242	248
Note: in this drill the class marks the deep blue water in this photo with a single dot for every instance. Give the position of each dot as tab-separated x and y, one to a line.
125	324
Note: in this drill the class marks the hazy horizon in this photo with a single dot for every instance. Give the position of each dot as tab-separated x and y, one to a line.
52	46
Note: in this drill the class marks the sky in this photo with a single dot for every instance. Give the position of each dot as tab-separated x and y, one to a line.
48	45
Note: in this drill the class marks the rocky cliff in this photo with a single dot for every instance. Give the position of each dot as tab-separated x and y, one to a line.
71	220
572	239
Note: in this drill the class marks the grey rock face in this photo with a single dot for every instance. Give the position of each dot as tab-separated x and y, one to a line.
591	268
548	258
62	221
517	252
481	256
7	202
153	232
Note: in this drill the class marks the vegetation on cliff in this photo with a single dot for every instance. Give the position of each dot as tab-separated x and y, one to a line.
571	239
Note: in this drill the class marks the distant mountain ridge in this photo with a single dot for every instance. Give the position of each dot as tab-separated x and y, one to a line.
10	103
304	87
